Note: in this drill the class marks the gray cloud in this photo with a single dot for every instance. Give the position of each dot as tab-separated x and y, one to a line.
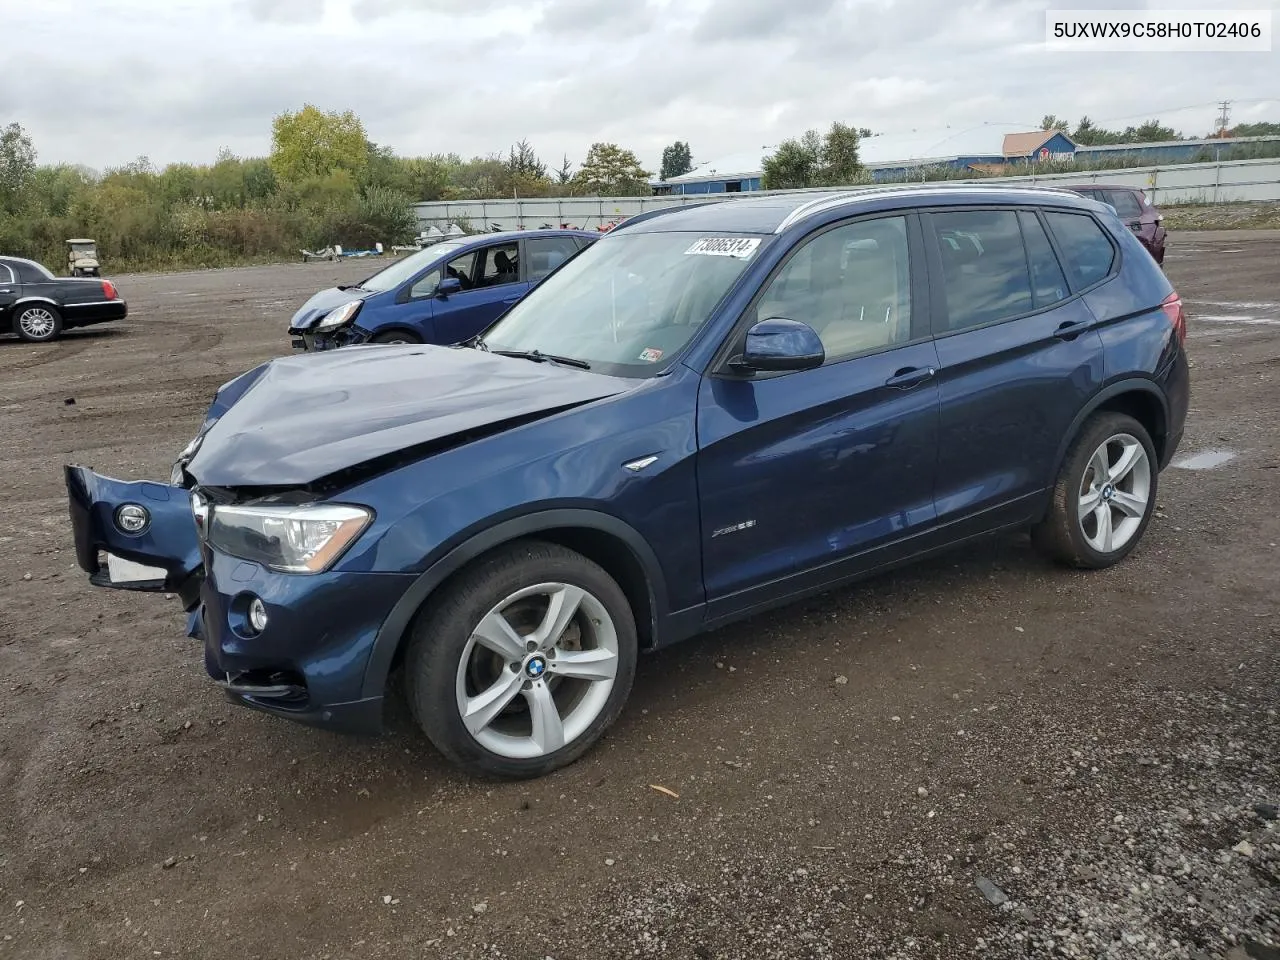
590	16
474	76
284	11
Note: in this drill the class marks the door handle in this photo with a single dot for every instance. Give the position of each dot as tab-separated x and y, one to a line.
6	291
909	377
1070	330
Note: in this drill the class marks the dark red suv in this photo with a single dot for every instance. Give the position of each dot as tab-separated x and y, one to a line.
1135	210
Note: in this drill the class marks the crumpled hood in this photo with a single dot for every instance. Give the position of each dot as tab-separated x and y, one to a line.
309	313
306	417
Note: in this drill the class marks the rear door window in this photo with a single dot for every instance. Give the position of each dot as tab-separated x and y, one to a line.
6	275
984	267
1126	204
1085	246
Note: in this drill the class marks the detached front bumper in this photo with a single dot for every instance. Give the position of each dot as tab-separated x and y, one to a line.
161	555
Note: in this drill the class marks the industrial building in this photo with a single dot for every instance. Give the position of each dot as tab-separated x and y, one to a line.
742	172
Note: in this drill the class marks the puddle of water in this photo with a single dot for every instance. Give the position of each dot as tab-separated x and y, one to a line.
1207	460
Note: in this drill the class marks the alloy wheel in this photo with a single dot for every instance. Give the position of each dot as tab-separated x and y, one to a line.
537	670
1114	493
36	322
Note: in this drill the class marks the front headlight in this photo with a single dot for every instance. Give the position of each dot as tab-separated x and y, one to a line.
287	539
339	317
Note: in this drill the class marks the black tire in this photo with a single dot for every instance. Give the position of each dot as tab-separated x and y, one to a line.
440	635
1061	534
27	316
395	336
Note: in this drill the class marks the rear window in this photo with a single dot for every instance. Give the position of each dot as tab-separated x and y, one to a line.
1125	202
31	272
1085	246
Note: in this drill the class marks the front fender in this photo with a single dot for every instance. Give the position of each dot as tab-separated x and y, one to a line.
167	549
397	623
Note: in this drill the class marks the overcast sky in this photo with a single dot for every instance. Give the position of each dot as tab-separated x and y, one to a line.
104	81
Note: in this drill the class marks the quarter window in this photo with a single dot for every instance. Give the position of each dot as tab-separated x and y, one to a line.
1088	253
851	284
984	267
1049	284
425	286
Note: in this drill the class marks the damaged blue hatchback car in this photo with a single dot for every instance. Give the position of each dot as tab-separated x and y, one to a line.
710	411
445	293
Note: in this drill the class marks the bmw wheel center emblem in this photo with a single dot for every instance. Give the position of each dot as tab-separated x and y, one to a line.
535	667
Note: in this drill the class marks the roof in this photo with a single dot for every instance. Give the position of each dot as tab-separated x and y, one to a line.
468	238
1025	144
773	213
737	166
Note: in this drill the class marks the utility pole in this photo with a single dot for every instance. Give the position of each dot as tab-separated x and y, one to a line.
1224	117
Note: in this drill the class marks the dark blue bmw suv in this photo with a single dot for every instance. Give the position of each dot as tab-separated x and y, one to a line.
710	411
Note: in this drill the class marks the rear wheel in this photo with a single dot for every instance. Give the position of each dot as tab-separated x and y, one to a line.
38	323
523	662
1104	496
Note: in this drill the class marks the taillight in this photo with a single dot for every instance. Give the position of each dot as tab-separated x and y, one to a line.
1172	307
109	290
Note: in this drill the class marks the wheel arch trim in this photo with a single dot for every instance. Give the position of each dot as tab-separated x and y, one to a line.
392	632
1119	388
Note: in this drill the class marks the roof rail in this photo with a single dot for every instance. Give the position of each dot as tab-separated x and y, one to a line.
827	201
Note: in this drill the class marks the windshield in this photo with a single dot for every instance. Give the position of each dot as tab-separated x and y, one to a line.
629	302
402	270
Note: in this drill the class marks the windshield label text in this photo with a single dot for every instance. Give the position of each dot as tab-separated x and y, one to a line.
740	248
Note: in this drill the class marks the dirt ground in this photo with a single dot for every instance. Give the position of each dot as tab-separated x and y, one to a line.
1093	745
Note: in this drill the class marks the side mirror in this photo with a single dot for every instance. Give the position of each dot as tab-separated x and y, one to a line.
780	344
447	286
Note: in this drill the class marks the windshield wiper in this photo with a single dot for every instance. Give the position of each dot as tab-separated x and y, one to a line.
352	286
537	356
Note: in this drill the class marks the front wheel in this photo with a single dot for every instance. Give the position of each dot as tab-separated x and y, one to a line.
394	336
523	662
1104	496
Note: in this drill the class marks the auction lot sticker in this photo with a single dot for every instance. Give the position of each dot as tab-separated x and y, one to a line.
740	248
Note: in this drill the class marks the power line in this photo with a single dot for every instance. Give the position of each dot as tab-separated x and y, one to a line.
1224	118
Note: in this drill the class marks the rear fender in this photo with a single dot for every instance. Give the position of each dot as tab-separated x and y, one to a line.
168	545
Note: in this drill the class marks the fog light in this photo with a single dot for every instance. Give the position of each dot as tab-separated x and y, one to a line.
257	615
132	518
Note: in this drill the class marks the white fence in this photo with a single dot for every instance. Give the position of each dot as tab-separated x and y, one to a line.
1231	181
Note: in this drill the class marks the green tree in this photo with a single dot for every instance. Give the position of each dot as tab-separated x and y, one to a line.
611	171
677	160
312	143
1051	122
1256	130
839	158
1150	132
564	176
816	160
17	164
